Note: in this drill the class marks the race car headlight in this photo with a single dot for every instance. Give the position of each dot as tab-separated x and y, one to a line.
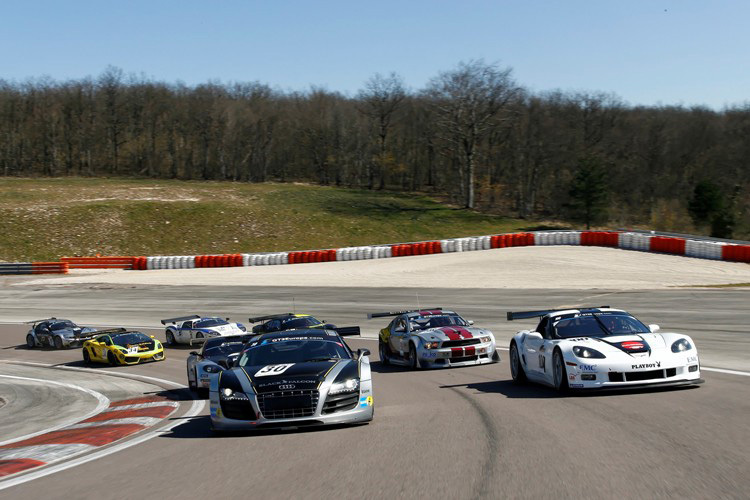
212	369
681	345
241	327
431	345
229	394
349	385
587	352
484	340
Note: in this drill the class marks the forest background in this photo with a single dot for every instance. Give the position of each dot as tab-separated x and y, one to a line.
473	137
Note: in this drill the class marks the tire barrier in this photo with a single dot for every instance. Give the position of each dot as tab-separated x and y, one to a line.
11	268
99	262
689	247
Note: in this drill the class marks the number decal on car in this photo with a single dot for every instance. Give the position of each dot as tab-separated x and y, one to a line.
271	370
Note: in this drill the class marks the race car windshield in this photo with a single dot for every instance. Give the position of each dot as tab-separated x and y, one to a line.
209	322
423	323
130	338
293	351
224	349
62	325
598	325
295	323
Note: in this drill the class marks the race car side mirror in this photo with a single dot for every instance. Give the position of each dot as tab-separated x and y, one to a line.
194	353
362	352
654	328
471	322
152	336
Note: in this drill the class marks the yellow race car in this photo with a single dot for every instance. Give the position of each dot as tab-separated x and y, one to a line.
120	346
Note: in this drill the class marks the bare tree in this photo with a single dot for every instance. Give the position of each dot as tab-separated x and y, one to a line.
379	100
471	101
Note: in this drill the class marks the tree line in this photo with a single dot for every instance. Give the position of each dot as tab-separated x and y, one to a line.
473	135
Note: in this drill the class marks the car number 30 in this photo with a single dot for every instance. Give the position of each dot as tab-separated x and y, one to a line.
271	370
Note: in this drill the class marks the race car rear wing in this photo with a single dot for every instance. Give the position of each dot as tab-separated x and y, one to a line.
346	331
538	314
38	321
96	333
270	316
398	313
181	318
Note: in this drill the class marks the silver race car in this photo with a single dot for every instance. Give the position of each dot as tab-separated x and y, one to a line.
216	354
600	348
195	328
293	378
434	337
57	333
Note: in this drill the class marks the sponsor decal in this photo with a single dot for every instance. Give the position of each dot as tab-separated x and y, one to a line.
272	370
692	359
644	366
287	387
429	355
365	402
632	345
296	381
576	386
588	368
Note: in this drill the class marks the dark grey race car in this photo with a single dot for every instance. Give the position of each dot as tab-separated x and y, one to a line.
58	333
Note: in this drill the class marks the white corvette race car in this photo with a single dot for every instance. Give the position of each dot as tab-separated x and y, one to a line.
600	348
195	329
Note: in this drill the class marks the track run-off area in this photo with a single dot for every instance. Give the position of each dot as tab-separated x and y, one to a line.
455	433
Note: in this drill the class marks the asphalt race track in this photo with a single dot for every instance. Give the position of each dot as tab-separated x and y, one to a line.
458	433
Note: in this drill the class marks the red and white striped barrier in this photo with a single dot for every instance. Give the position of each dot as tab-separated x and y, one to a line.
690	247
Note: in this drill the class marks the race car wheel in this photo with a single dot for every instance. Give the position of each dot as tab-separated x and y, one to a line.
86	357
559	372
30	342
383	352
111	358
58	343
170	339
516	370
413	359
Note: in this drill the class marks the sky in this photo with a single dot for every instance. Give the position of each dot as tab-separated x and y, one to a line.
646	52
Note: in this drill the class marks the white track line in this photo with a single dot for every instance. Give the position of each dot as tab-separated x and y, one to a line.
100	407
195	408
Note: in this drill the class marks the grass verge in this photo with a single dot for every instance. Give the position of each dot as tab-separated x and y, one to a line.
43	219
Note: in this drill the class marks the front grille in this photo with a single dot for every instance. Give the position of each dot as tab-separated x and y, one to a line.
463	358
288	404
340	402
460	343
131	359
640	376
237	409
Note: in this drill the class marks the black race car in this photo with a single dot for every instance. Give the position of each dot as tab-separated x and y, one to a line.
292	379
292	321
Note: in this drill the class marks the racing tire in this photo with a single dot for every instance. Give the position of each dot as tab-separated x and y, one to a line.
516	369
30	342
414	363
383	353
170	339
58	343
111	358
86	357
559	373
